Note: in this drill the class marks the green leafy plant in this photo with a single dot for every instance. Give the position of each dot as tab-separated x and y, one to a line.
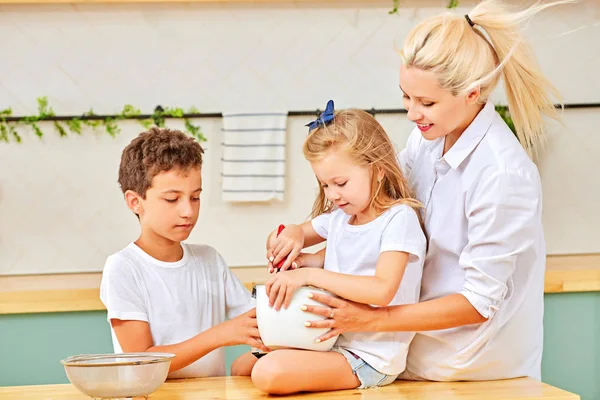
75	125
92	123
505	114
396	5
453	4
7	130
8	123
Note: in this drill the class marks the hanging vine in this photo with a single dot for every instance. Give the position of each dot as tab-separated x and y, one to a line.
505	114
9	124
396	5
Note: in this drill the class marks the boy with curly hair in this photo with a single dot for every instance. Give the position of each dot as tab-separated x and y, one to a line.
164	295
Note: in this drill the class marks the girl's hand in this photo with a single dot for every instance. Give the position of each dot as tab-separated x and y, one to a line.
281	287
289	243
309	260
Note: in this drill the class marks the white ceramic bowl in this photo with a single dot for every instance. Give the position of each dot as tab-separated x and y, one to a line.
285	328
118	375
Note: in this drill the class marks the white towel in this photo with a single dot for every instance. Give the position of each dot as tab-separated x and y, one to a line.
253	156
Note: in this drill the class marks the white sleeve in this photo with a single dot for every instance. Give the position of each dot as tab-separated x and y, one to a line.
503	214
321	224
407	156
403	232
120	291
238	299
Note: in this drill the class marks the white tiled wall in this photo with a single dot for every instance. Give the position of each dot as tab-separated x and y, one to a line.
60	206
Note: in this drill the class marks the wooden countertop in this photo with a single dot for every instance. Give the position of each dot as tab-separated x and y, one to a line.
242	388
80	292
572	273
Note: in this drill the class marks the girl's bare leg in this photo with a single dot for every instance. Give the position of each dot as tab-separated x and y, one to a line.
242	366
292	371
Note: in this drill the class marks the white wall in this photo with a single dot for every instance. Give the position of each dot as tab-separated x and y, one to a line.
60	206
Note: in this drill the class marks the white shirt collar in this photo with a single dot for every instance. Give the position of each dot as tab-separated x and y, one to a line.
164	264
471	137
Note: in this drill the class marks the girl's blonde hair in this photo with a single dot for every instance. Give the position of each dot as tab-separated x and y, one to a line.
466	57
360	135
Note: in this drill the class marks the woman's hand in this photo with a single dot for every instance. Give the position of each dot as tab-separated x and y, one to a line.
342	316
288	244
281	287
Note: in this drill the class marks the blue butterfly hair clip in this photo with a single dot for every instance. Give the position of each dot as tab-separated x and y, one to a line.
325	117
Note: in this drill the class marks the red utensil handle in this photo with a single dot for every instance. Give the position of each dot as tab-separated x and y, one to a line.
279	230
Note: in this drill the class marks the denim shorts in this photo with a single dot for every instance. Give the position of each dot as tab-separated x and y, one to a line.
368	376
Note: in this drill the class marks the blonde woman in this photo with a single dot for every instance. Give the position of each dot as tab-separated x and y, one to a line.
375	255
481	305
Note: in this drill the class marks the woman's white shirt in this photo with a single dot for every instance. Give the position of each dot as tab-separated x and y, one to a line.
483	221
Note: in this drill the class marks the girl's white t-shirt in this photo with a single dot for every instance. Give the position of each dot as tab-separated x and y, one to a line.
354	250
179	299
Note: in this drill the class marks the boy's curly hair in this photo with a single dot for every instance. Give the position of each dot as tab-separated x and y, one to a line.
154	151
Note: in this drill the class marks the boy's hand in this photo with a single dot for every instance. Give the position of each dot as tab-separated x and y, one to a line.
289	243
243	329
281	287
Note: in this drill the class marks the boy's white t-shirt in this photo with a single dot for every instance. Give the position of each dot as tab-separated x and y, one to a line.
178	299
354	250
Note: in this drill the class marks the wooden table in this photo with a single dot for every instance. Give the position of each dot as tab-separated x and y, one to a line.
242	388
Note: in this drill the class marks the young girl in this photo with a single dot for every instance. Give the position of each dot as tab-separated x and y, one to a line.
365	211
480	315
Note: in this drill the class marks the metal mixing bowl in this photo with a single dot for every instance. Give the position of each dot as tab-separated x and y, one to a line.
118	375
